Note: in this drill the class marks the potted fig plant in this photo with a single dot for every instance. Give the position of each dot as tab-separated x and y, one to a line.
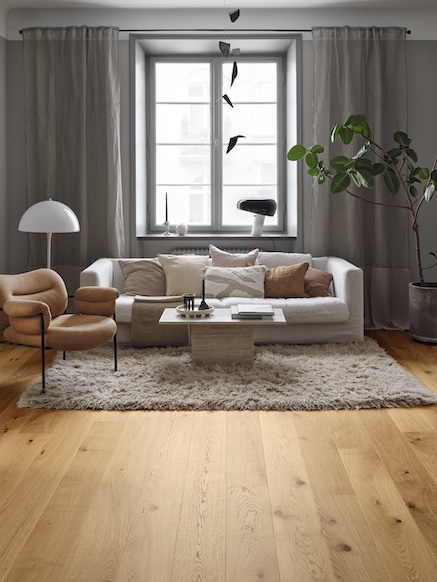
399	169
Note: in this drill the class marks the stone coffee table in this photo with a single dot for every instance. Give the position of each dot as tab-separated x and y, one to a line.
217	338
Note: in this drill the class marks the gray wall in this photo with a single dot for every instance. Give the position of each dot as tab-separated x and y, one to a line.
421	55
3	159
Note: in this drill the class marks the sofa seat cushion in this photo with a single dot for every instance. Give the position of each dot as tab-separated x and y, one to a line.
302	310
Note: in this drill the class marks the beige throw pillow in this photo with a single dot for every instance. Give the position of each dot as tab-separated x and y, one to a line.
317	282
184	273
277	259
286	281
143	277
221	258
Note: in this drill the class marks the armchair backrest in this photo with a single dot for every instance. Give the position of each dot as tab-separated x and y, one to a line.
41	285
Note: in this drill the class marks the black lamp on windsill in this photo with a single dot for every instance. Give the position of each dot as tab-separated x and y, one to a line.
261	208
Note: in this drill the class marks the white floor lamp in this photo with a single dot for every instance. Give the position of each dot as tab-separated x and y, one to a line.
49	216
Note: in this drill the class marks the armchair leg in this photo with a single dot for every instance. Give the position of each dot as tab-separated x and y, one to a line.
115	348
43	355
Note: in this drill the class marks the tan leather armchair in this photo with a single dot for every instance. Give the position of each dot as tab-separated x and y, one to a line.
34	305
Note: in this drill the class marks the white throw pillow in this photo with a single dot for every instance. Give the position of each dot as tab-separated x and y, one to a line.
221	258
184	273
273	259
235	282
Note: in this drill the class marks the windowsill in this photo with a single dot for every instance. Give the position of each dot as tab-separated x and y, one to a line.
216	236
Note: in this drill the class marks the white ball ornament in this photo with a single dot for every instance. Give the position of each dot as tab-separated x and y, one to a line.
181	229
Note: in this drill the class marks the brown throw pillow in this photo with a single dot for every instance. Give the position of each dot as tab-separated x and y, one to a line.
143	277
317	282
286	281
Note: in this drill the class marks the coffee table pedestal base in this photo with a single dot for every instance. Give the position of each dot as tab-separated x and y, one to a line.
221	344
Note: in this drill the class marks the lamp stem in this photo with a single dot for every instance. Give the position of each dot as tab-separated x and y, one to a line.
49	249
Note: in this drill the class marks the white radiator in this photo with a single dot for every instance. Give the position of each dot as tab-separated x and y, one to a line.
204	251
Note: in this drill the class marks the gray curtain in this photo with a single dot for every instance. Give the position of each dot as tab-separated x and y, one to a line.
363	70
72	105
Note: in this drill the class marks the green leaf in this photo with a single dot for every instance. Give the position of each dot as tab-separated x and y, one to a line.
335	131
356	178
434	175
317	149
366	130
338	163
296	153
364	163
424	173
392	181
411	154
313	171
394	153
321	179
346	135
413	191
340	182
378	168
356	120
311	160
402	138
366	178
429	192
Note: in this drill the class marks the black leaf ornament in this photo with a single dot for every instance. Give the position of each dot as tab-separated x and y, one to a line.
234	15
226	98
233	142
234	73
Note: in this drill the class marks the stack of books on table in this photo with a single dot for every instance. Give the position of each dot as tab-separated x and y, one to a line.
252	311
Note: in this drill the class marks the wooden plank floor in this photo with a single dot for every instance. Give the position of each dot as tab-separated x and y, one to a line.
96	496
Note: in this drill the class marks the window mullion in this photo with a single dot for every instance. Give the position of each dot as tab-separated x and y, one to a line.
216	155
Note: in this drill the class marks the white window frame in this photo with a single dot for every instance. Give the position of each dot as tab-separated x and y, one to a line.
288	130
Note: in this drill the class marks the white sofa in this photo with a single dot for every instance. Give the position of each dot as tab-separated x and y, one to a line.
335	318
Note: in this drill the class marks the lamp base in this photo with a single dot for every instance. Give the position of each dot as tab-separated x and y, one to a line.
258	223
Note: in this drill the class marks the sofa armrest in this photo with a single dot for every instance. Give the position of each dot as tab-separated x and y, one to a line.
99	273
348	285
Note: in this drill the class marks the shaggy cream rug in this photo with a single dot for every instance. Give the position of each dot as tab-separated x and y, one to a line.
313	377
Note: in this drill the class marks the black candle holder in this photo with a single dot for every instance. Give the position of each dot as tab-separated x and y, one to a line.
189	301
203	305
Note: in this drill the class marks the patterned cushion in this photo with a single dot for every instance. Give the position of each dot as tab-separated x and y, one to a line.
235	282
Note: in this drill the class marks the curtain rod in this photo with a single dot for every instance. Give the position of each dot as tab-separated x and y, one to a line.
220	30
214	30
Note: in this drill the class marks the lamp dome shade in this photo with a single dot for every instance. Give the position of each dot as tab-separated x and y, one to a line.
49	216
264	206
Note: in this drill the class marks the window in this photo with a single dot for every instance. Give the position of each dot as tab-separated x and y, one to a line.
187	128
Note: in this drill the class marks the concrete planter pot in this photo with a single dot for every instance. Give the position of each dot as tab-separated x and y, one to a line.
423	312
